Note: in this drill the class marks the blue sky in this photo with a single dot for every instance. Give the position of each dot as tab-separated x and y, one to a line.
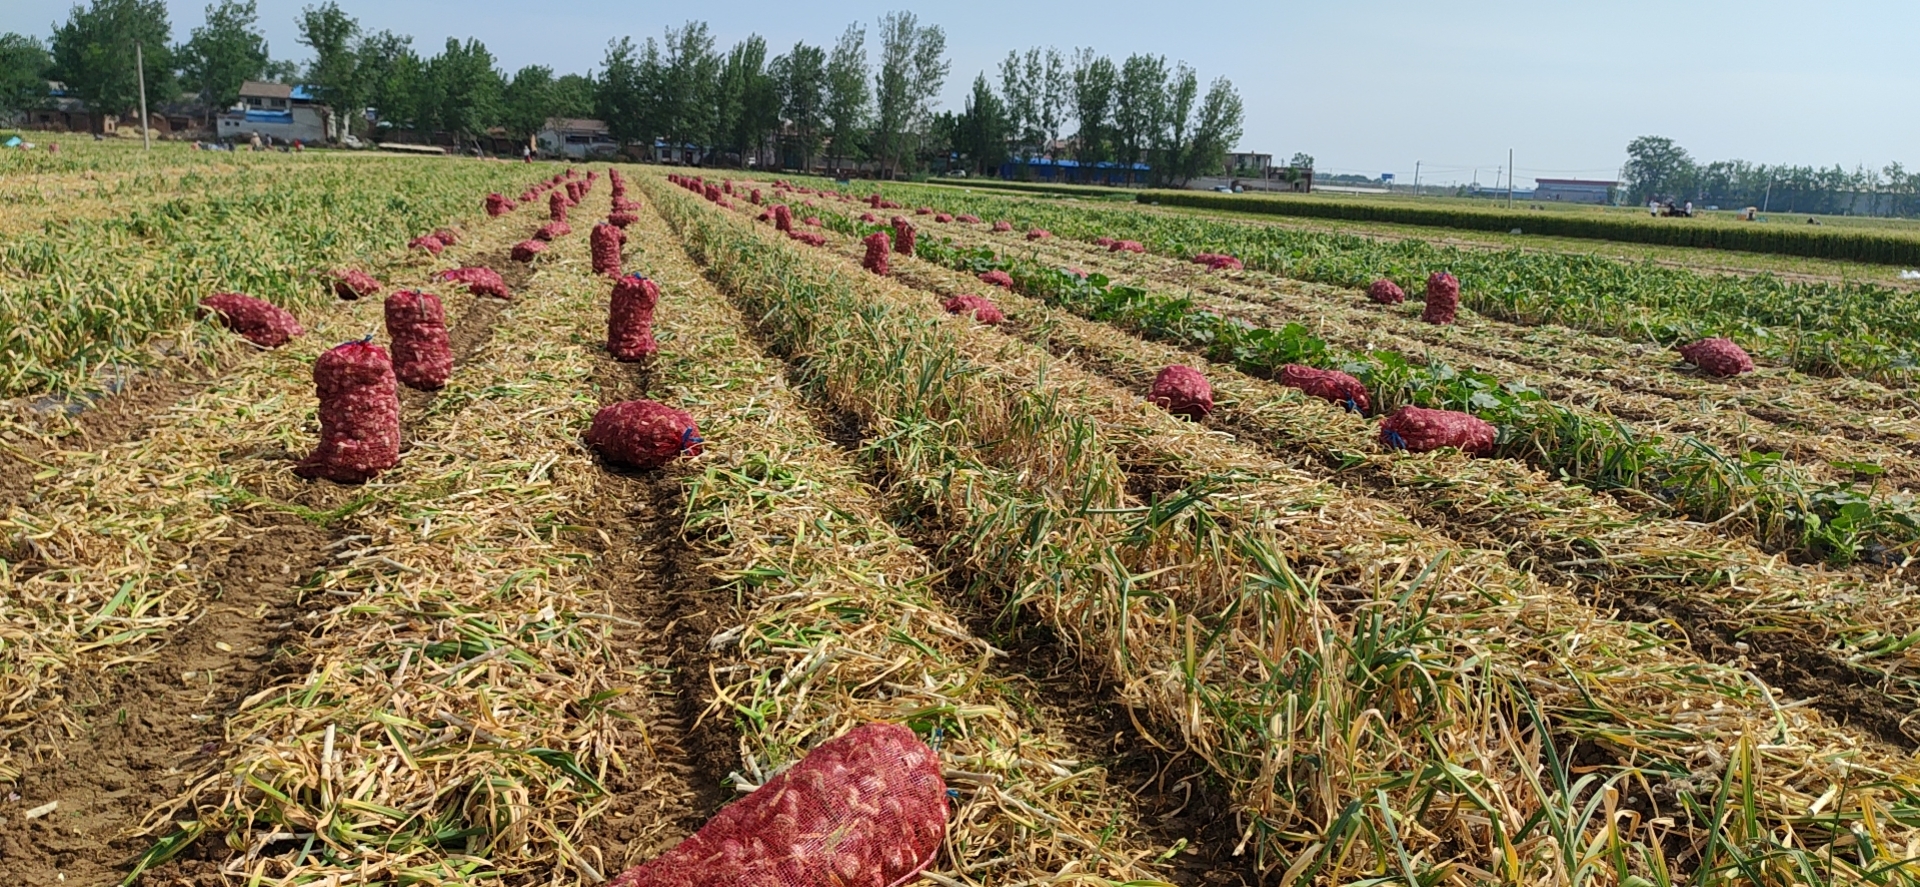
1365	86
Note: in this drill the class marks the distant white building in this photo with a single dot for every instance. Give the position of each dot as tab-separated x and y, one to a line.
576	138
276	110
1573	191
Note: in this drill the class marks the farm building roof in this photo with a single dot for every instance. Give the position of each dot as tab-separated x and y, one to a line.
256	89
1597	183
575	124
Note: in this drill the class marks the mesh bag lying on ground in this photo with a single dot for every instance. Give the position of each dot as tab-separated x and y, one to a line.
1332	385
1718	357
997	277
868	809
359	415
1419	430
553	231
630	318
427	242
810	238
1386	292
1443	298
643	434
498	205
422	353
479	281
1039	234
259	322
354	284
525	250
1182	391
1002	225
979	307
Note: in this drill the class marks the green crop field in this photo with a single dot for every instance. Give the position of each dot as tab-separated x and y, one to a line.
1660	627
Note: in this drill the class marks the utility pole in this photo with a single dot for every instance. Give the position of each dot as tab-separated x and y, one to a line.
140	68
1416	178
1509	178
1769	199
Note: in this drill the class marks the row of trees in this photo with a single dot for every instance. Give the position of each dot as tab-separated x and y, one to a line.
746	104
1659	169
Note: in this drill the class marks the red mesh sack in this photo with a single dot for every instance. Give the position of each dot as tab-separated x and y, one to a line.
1126	246
923	211
1443	298
262	323
877	248
1104	241
811	221
553	231
756	197
605	246
809	238
359	415
621	218
1002	225
643	434
446	236
1218	262
422	354
353	284
782	218
997	278
982	310
497	205
1419	430
873	200
479	281
630	318
903	236
968	218
557	206
1718	357
868	809
427	242
525	250
870	218
942	217
1331	385
712	193
1039	234
1386	292
1182	391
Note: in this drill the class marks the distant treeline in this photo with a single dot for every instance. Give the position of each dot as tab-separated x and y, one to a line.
1658	169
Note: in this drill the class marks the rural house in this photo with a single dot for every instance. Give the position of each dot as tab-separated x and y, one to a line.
1574	190
576	138
278	111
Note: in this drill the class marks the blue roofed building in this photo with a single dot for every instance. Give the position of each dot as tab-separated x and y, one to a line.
1073	172
277	111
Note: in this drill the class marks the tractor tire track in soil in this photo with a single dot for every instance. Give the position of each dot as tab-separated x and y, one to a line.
1167	794
134	738
102	422
1851	696
652	583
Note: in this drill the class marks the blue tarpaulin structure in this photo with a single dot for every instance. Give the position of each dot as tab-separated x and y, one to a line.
1047	169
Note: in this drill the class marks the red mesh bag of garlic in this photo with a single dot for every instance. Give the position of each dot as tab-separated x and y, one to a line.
979	307
1331	385
997	277
877	248
353	284
1718	357
553	231
525	250
479	281
427	242
557	206
903	236
498	205
260	322
1182	391
783	218
1386	292
359	415
630	318
1419	430
868	809
643	434
1443	298
1002	225
605	248
422	353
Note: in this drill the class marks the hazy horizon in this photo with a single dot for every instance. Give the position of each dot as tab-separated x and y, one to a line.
1365	88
